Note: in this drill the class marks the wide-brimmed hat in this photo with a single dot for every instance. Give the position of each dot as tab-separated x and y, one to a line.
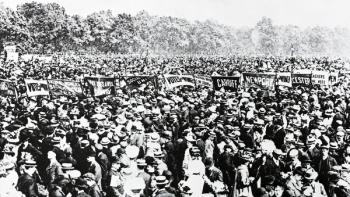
105	141
30	163
161	180
333	145
141	162
121	120
244	157
55	140
67	166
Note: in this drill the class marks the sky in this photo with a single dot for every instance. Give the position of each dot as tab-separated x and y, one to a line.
236	13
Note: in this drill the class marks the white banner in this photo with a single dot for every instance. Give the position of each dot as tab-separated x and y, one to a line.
37	87
320	78
284	79
172	81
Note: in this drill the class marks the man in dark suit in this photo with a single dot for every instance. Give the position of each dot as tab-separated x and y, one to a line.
325	164
26	182
54	169
103	160
59	189
95	168
212	175
80	187
161	182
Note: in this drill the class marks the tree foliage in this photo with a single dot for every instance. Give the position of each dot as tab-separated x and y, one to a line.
46	28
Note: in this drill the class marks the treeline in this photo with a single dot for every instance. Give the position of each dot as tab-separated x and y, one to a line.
47	28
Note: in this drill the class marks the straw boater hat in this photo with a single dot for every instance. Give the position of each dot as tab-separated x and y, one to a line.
161	180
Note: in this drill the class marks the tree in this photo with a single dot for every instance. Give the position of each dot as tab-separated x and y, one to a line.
267	36
47	24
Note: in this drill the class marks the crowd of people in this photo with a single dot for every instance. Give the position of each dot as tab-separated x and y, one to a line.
182	142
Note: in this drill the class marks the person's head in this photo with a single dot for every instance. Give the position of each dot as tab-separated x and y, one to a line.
91	158
89	178
29	167
298	173
293	154
278	191
208	162
324	150
51	155
195	153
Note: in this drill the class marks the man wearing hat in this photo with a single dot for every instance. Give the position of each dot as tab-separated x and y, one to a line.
161	191
54	169
294	183
103	160
312	187
95	168
93	189
325	164
80	187
26	182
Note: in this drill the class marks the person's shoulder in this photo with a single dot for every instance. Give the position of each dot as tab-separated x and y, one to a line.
164	193
83	194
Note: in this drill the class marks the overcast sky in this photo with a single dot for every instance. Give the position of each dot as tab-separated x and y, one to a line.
230	12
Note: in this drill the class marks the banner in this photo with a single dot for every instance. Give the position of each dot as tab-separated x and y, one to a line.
203	81
135	82
99	86
333	78
37	87
284	79
320	78
228	83
301	79
62	87
260	80
11	54
8	88
172	81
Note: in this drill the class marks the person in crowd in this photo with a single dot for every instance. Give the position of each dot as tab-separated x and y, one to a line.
146	139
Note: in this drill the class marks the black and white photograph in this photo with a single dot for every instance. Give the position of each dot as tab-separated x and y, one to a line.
174	98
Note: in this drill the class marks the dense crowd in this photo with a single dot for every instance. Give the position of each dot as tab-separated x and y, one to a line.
182	142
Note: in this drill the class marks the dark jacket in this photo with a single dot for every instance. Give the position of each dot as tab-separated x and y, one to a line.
164	193
28	186
53	171
56	192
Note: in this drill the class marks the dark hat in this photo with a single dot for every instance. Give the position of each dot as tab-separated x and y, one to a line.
305	159
299	171
195	151
81	183
268	180
310	175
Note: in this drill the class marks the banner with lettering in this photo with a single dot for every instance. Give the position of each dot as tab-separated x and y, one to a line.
301	79
37	87
99	86
8	88
320	78
63	87
203	81
173	81
333	78
135	82
284	79
228	83
260	80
